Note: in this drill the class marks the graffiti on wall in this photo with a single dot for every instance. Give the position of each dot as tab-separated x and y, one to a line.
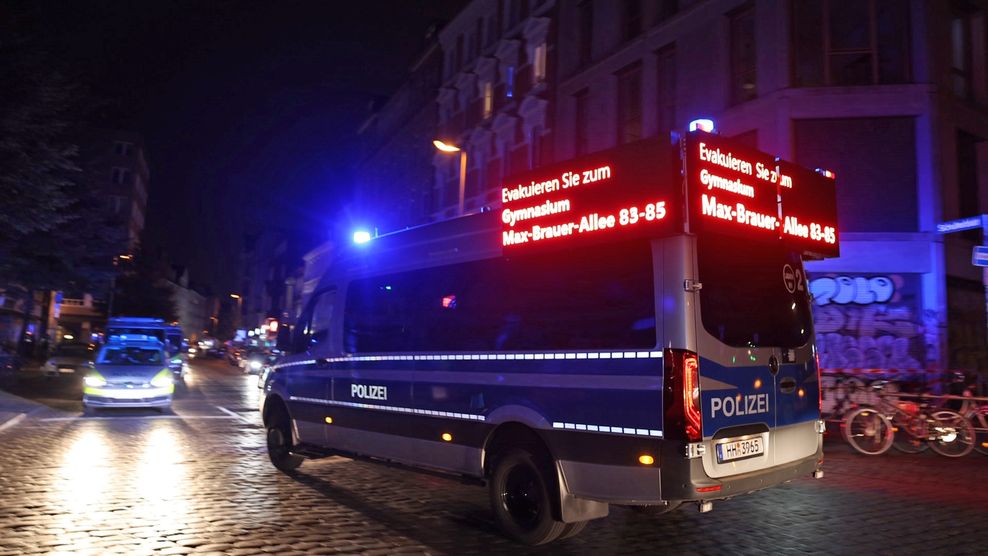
869	322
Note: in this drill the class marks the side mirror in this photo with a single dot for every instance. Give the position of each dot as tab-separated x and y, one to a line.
284	341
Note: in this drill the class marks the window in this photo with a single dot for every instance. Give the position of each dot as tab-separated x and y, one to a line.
117	204
538	63
960	49
458	60
585	36
581	102
478	37
509	304
850	42
631	19
743	55
122	148
883	179
121	176
666	85
488	99
630	104
314	325
967	175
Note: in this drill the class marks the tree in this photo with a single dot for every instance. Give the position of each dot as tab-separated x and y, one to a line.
52	231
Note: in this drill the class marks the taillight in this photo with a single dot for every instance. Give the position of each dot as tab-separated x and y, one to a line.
819	383
682	396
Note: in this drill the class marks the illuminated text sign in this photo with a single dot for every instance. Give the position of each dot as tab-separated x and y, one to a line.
617	194
733	189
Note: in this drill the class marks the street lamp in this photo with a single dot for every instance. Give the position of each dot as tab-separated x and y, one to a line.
240	301
447	148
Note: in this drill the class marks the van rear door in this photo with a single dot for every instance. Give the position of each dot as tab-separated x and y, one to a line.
754	330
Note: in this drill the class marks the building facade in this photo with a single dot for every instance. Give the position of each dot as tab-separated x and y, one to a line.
890	95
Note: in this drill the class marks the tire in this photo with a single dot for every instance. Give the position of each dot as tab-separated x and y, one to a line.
980	433
521	498
572	530
951	435
279	440
868	431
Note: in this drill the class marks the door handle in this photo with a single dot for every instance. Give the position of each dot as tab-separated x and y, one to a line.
787	385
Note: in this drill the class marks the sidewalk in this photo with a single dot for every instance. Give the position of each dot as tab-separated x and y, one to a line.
12	407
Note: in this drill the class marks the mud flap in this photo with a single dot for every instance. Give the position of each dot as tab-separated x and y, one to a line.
573	509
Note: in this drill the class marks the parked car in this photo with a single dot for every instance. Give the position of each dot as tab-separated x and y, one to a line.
70	358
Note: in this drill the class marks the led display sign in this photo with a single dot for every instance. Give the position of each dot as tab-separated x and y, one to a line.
736	190
631	191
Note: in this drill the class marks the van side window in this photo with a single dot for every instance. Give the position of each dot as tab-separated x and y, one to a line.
313	327
599	297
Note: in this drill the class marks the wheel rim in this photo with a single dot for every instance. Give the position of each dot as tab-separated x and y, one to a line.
868	432
522	496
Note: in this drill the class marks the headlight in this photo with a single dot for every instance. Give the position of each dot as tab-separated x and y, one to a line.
94	381
162	379
256	365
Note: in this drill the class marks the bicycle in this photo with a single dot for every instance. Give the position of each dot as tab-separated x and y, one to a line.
976	412
871	430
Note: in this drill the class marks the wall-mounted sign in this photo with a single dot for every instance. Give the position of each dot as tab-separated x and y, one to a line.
963	224
631	191
736	190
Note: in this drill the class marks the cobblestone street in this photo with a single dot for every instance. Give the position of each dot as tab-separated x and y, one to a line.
197	480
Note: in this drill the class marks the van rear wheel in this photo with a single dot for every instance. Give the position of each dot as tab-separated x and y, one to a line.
521	499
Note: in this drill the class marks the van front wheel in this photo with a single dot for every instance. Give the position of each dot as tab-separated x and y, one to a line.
279	436
521	498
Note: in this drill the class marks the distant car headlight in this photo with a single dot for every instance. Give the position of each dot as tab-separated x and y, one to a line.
162	379
94	381
256	365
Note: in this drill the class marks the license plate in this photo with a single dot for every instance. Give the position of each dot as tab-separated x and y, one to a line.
740	449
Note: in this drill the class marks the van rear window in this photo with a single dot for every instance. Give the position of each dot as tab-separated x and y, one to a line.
754	294
594	298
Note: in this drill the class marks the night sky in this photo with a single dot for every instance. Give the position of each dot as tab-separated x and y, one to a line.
248	108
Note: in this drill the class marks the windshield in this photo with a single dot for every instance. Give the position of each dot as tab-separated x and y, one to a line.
754	294
77	350
131	356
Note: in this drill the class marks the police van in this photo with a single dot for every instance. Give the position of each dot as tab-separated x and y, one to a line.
632	327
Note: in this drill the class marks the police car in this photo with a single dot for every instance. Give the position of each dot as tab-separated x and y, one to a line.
130	371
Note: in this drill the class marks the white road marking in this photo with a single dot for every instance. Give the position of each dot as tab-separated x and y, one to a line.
12	422
235	415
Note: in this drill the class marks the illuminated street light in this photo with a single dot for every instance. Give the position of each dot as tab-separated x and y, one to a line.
447	148
235	296
361	236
